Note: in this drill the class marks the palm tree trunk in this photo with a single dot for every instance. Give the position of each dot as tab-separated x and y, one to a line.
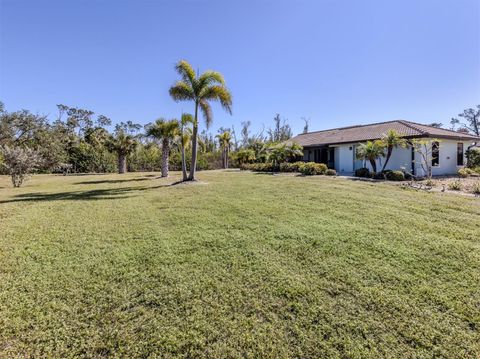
122	163
389	154
165	153
184	165
374	165
226	157
223	158
193	165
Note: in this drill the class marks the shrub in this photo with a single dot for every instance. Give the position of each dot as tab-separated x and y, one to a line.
473	157
430	183
288	167
395	176
331	172
476	188
312	168
362	172
258	167
455	185
19	163
465	172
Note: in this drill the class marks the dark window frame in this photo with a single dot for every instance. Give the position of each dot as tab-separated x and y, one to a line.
460	160
435	154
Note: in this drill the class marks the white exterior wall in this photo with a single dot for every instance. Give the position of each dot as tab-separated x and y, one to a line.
344	159
447	159
346	164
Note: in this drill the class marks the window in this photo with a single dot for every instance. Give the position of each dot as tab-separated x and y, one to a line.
459	154
435	154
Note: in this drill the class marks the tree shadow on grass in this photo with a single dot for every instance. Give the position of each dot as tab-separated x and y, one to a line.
114	181
92	195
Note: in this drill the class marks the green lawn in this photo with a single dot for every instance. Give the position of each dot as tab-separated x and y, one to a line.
238	265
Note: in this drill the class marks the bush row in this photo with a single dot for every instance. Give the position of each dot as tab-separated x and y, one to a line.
305	168
387	174
467	172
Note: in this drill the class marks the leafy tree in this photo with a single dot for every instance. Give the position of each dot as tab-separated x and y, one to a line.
77	118
209	86
371	151
122	144
472	118
19	162
392	140
20	128
436	124
260	149
165	131
224	140
245	155
284	152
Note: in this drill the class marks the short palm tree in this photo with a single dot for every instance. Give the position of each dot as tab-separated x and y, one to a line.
185	137
225	143
123	144
200	89
392	140
245	155
371	151
164	131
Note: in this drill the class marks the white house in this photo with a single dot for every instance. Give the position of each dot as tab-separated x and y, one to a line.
337	147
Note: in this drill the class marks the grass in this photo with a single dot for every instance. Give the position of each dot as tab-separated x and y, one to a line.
238	265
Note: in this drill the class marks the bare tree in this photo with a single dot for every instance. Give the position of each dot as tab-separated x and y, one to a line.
307	122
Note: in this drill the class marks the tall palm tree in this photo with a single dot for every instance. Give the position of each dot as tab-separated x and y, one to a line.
391	140
200	89
371	151
225	143
166	131
123	144
185	137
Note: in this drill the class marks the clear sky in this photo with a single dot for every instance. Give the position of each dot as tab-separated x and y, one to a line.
337	62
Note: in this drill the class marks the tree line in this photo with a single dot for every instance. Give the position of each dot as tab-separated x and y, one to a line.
78	140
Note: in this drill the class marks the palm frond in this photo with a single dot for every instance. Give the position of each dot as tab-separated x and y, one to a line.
186	119
218	93
207	112
181	91
209	78
163	129
185	70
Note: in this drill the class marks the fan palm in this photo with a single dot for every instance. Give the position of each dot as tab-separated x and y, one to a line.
123	144
166	131
200	89
371	151
391	140
245	155
225	142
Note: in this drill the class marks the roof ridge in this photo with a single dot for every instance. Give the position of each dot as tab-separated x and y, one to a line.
437	128
347	127
409	124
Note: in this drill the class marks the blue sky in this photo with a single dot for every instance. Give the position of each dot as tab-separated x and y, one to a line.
336	62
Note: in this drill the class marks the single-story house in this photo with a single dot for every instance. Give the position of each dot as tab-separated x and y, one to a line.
337	147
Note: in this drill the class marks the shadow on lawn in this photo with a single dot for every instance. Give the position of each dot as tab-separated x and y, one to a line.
114	181
92	195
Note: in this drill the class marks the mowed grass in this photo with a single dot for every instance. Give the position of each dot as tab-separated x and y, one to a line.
238	265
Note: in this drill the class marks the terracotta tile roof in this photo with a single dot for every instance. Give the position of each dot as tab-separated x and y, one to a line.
375	131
